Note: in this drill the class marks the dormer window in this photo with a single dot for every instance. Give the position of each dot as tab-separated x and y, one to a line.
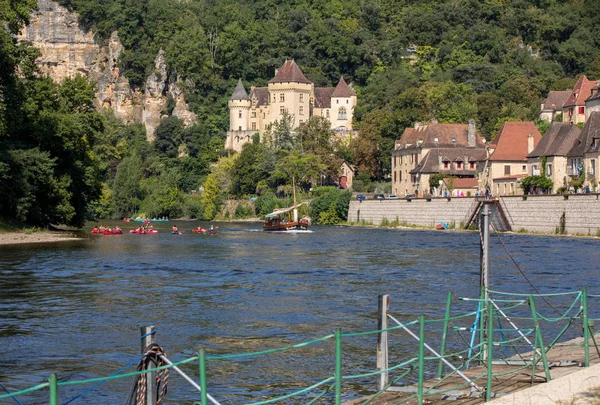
453	140
436	140
446	164
459	165
472	165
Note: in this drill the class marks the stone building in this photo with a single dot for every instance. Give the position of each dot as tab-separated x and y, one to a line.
289	91
585	153
506	161
554	146
553	105
434	148
593	103
574	107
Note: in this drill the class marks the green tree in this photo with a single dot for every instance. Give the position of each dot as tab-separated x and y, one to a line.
127	192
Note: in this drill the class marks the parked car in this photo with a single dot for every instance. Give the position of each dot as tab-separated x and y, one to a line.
392	197
379	197
410	196
361	197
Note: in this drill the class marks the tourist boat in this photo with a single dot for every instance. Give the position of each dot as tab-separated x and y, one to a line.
286	220
152	232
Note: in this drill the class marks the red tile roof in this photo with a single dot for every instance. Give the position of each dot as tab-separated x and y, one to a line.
581	92
289	73
462	183
511	143
343	90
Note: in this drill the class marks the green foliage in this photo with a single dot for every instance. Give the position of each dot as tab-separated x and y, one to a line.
209	197
536	182
330	205
244	210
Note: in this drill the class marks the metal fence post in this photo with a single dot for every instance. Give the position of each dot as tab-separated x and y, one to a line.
338	366
421	360
382	341
202	367
539	338
445	334
53	385
490	348
586	327
148	337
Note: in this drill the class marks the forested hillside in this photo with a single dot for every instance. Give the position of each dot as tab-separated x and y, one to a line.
490	60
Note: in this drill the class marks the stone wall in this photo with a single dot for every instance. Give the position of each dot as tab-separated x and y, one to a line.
531	213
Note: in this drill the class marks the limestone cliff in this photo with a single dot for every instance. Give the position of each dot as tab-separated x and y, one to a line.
66	50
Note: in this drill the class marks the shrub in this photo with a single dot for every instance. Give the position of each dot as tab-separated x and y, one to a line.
332	197
243	211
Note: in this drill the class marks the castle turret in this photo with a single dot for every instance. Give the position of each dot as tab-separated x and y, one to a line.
343	100
239	108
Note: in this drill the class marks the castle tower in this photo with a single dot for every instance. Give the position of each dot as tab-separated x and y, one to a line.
239	108
290	91
343	100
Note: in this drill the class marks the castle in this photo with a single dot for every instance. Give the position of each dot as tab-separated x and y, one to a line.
289	91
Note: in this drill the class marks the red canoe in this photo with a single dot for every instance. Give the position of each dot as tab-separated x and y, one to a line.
143	232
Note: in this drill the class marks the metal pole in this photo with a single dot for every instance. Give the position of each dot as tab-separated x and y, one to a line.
53	385
338	366
202	366
382	342
421	360
539	338
148	337
445	333
586	327
485	267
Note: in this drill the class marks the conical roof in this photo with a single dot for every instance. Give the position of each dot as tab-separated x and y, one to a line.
240	92
289	73
343	90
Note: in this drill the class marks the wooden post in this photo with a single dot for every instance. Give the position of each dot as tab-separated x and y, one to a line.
382	341
148	335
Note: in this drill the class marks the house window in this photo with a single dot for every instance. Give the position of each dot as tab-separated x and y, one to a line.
395	179
472	165
347	101
253	114
274	98
327	113
240	128
581	110
254	126
459	165
524	168
400	175
446	164
342	113
301	98
337	101
282	97
506	170
301	110
240	114
593	167
281	110
534	169
549	169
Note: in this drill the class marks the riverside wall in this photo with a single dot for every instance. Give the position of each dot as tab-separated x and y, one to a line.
530	213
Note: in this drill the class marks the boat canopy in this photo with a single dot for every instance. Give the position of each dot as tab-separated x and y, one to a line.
280	211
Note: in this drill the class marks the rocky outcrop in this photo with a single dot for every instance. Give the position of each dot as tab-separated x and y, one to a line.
66	50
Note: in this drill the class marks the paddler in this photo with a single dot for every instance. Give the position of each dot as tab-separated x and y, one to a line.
175	230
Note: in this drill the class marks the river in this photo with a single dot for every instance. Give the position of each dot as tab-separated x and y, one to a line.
75	308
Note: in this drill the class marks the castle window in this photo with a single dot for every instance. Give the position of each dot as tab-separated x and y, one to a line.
240	128
281	110
342	113
327	113
254	126
337	101
301	112
301	98
282	97
347	101
274	98
253	114
240	113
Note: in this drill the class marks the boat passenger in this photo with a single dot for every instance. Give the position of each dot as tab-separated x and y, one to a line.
175	228
95	230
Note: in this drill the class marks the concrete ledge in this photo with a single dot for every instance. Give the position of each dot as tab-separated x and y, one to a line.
580	387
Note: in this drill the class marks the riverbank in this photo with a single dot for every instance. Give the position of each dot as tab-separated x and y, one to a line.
20	237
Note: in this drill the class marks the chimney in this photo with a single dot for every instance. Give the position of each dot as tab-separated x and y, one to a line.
530	144
471	133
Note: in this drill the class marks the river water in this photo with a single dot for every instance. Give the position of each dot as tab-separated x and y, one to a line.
75	308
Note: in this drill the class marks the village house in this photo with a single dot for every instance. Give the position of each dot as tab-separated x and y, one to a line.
584	156
505	165
553	148
288	92
574	107
346	175
593	102
429	149
553	105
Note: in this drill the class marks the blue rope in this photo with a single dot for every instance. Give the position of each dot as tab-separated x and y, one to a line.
16	400
102	382
148	334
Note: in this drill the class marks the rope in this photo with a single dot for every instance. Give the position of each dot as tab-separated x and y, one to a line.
521	271
151	359
16	400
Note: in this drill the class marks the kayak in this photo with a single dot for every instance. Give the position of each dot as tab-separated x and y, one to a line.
144	232
112	233
210	232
